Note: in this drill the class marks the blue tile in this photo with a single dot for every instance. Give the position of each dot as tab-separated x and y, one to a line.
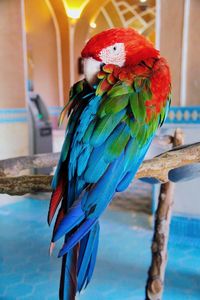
27	272
16	290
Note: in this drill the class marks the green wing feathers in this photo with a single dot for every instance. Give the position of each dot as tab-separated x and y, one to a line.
75	94
135	107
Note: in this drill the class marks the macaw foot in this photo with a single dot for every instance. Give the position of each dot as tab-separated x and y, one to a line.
51	247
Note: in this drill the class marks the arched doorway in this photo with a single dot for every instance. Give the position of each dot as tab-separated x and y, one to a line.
114	13
137	15
43	51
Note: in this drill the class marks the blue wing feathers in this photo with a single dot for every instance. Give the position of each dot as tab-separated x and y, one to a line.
105	126
132	162
74	216
77	236
131	153
100	196
80	185
102	154
63	156
86	253
89	131
83	160
116	142
68	281
124	183
96	165
92	259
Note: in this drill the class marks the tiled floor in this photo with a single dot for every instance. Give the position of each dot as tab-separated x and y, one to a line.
27	272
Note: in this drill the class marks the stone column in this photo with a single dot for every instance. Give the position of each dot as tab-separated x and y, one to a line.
170	20
13	112
193	55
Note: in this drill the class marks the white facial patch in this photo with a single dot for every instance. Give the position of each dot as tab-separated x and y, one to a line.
114	54
91	68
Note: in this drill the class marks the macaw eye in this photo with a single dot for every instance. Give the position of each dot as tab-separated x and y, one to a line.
114	54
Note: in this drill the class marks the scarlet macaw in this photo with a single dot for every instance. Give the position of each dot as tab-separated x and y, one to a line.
113	116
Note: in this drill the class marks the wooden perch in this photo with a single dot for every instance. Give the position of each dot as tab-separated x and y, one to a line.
157	167
25	184
13	166
156	274
155	282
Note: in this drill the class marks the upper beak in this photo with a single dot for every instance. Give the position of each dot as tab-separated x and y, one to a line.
91	69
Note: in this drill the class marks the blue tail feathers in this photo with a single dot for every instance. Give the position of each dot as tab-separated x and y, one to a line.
78	260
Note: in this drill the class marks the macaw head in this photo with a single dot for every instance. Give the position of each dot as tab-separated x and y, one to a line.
118	46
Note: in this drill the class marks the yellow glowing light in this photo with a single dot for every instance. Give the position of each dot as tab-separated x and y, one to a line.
93	25
143	1
74	13
74	8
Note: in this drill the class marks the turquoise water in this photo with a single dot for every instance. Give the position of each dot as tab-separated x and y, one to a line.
27	272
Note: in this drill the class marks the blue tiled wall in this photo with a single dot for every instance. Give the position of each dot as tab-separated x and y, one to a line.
13	115
177	115
184	115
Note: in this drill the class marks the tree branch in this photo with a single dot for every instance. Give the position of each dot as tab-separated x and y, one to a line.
157	167
13	166
25	184
156	274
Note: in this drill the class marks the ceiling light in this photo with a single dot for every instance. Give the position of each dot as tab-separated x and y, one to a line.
74	13
93	25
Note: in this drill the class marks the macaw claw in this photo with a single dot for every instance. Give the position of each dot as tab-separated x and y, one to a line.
51	247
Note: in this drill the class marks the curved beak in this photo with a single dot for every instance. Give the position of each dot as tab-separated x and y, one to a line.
91	69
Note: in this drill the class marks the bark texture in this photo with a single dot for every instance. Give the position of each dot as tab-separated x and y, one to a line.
157	167
13	166
25	184
156	274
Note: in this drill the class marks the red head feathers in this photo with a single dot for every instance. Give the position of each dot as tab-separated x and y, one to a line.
136	46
